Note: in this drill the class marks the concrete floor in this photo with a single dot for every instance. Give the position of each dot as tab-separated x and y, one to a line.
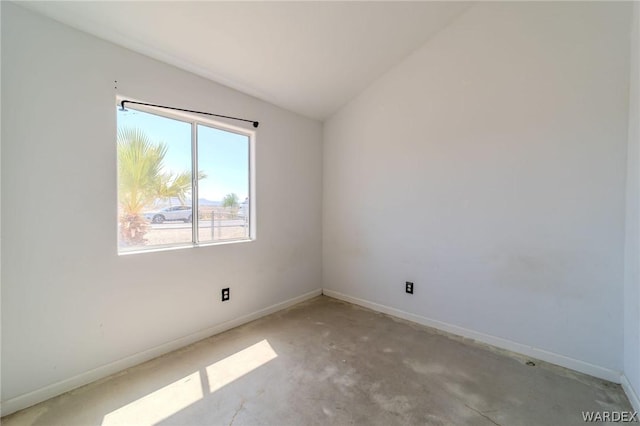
328	362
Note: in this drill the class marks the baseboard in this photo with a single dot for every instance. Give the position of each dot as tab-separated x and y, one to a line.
541	354
26	400
631	393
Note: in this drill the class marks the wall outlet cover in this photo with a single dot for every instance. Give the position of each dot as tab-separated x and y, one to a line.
409	287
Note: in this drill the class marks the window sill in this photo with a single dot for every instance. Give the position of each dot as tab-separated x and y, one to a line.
181	247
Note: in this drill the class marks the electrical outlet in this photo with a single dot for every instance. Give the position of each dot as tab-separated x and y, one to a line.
225	294
409	287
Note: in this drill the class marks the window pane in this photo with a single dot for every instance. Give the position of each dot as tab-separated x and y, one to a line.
223	185
154	176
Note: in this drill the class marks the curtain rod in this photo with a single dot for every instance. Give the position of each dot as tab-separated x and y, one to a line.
255	123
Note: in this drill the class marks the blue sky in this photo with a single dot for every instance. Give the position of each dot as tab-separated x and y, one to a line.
222	156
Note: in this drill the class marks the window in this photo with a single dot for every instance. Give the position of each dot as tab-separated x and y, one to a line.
182	181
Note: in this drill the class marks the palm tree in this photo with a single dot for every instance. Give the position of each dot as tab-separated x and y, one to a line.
141	182
177	186
231	200
139	173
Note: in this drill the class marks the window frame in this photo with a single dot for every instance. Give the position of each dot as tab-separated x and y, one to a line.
194	120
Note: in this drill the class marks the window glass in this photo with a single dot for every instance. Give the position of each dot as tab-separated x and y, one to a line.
223	200
155	182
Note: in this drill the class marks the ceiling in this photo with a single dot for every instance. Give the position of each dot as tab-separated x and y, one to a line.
307	57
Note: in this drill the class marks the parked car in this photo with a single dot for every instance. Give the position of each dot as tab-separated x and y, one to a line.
182	213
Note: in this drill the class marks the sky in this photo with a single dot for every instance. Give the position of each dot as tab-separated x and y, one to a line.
223	156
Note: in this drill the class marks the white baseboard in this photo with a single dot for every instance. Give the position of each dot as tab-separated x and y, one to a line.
541	354
26	400
631	393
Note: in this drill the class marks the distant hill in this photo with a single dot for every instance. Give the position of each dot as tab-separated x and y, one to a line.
205	202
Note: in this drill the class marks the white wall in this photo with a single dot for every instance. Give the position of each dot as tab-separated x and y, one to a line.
632	232
70	304
489	168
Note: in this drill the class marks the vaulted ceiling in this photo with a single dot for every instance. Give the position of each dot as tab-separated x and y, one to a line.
307	57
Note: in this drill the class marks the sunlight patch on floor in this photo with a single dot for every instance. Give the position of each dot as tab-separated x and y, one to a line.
237	365
159	404
168	400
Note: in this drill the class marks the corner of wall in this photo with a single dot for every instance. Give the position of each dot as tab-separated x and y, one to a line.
634	399
631	377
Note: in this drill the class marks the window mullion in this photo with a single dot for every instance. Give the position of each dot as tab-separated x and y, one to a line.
194	182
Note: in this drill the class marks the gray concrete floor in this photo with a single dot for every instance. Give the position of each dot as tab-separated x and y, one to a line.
329	362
